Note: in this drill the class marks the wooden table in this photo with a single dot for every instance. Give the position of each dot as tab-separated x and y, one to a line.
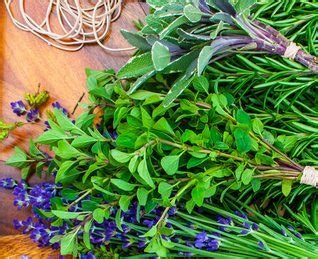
26	61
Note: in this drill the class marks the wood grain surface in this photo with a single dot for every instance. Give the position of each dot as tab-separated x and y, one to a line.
26	61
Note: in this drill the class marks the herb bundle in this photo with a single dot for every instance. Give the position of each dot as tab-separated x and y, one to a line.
125	157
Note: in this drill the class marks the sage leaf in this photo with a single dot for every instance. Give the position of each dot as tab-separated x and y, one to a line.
160	56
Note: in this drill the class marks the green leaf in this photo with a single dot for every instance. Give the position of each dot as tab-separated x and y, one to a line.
136	66
242	140
124	202
244	6
83	141
247	176
144	173
65	214
177	88
64	168
64	122
69	244
99	215
192	13
142	196
18	159
151	232
51	136
257	126
256	184
163	125
136	40
120	156
172	26
204	58
133	164
123	185
146	119
243	118
201	84
160	56
140	81
197	195
165	189
66	151
170	164
286	187
190	206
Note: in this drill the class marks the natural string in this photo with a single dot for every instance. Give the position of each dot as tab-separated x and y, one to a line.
80	25
291	50
309	176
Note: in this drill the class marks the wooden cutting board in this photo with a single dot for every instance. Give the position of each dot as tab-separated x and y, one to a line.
26	61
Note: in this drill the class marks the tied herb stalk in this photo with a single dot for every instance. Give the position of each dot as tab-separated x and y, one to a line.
128	156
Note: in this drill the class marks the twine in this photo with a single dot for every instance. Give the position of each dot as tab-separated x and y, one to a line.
291	51
79	25
309	176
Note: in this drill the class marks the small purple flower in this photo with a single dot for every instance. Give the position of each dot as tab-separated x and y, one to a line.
141	243
255	227
245	231
240	214
212	245
89	255
32	115
149	223
40	234
47	126
17	224
7	183
202	236
21	196
199	244
18	108
224	221
284	232
261	245
298	235
125	228
41	194
127	242
58	106
113	134
172	211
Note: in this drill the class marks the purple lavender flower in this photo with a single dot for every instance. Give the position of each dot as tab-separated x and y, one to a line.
298	235
141	243
58	106
7	183
223	221
125	228
127	242
41	194
212	245
261	245
255	227
47	126
40	234
149	223
284	232
240	214
18	108
17	224
21	196
202	236
32	115
172	211
89	255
